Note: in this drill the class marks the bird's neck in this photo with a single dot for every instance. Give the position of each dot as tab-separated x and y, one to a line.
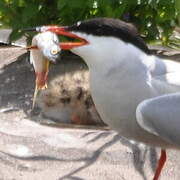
125	72
103	55
104	52
128	61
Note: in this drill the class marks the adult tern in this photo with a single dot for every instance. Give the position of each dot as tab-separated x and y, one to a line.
132	89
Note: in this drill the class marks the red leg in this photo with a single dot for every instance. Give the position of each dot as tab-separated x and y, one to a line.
161	163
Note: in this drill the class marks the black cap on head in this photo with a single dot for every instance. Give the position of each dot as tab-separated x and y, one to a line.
111	27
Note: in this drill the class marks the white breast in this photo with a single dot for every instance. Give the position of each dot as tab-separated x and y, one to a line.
121	78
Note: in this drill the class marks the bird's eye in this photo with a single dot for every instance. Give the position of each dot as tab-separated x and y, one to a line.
54	50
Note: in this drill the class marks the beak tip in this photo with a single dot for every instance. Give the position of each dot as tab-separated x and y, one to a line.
35	29
29	29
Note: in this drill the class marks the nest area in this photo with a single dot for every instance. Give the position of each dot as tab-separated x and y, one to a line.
68	89
68	99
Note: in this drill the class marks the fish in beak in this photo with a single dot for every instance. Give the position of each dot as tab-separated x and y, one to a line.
62	31
44	49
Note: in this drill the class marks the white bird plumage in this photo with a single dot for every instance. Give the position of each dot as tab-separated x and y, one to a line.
121	77
127	82
160	116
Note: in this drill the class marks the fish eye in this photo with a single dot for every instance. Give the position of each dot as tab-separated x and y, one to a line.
54	50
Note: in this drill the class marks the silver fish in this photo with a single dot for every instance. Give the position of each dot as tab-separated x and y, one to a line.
48	43
47	49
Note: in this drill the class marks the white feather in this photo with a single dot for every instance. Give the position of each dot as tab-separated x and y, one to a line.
121	77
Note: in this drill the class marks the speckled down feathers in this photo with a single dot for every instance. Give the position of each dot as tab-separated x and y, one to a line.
68	94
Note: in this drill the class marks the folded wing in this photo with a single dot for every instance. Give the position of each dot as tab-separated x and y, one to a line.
161	116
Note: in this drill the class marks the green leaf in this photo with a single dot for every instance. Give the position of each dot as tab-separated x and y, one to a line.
177	5
148	15
29	11
15	35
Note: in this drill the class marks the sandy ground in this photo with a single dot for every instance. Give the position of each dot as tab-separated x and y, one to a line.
29	150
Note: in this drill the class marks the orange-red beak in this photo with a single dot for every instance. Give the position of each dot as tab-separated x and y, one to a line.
63	32
67	45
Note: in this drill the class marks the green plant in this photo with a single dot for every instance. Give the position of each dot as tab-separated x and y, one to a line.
155	19
177	5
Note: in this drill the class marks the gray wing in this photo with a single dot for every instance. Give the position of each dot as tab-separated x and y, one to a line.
165	76
161	116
